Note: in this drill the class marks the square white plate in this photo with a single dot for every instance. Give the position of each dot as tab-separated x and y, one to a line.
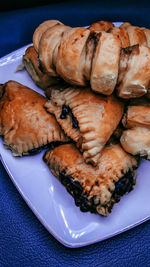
50	201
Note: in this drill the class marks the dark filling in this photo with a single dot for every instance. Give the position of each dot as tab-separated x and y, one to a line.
40	66
76	190
125	54
123	186
90	48
50	146
66	111
94	36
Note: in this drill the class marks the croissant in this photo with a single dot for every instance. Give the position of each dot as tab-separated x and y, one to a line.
117	59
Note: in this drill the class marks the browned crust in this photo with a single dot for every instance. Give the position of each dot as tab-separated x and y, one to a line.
96	182
97	115
41	29
24	122
101	26
31	63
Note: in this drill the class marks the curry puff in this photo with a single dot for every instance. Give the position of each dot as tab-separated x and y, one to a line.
87	118
24	123
94	189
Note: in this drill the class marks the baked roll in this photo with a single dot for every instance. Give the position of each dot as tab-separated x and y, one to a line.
87	118
136	141
134	72
31	63
147	34
24	123
94	189
48	47
122	35
137	114
71	56
136	34
92	56
41	29
105	64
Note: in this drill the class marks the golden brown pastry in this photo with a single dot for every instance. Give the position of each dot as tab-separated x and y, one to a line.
147	34
94	189
92	57
105	64
87	118
48	47
136	141
41	29
70	57
136	34
101	26
122	35
31	63
134	72
24	123
137	114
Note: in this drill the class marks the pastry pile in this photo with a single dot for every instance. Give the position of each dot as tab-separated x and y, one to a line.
106	59
95	117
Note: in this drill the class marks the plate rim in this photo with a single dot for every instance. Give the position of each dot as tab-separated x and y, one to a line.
54	234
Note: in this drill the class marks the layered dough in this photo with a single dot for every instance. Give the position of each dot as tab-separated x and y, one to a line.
134	72
87	118
94	189
31	63
136	139
105	64
41	29
24	123
102	56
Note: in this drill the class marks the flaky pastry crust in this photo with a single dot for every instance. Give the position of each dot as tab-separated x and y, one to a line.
31	63
136	141
97	185
24	123
97	117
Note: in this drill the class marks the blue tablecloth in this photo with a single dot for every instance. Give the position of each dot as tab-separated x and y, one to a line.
23	240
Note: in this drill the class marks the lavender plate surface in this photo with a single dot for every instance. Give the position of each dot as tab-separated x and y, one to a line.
49	200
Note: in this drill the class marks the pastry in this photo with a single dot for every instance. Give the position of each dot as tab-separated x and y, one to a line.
137	114
117	59
122	35
87	118
71	50
24	123
94	189
48	47
41	29
105	64
134	72
136	34
31	63
101	26
136	141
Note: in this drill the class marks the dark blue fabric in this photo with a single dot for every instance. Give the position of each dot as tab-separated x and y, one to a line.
23	240
17	26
